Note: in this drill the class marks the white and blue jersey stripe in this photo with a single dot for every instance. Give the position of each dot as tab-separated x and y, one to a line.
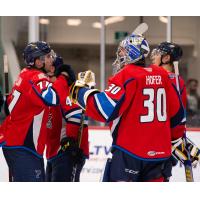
74	116
47	94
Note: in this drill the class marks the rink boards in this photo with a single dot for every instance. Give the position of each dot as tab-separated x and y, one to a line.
100	141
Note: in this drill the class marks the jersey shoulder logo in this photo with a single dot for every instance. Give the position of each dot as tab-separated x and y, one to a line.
172	76
42	76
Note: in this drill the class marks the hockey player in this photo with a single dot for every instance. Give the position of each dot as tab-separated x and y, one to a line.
25	126
142	105
164	55
65	159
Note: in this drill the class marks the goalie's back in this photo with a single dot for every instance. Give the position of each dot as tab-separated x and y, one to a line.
150	109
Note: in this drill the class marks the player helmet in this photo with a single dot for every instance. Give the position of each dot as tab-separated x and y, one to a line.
169	48
34	50
135	48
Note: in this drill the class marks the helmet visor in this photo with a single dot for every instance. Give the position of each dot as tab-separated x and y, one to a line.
51	55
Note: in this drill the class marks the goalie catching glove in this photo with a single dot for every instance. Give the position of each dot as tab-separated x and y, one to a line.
181	149
82	88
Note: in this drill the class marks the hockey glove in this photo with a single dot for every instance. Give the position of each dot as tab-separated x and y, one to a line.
178	150
85	80
68	142
67	71
183	152
194	152
70	146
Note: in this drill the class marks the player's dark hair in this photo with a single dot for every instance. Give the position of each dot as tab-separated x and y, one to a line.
141	63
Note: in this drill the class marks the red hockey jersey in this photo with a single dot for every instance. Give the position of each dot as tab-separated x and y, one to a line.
31	95
143	105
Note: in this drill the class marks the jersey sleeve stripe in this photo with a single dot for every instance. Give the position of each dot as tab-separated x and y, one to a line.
68	115
106	103
110	100
100	107
48	96
105	108
54	101
67	111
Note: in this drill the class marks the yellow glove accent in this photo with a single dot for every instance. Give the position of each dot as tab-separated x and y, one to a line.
86	78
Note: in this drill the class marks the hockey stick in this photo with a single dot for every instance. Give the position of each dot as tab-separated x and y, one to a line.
140	29
79	139
187	163
5	61
86	78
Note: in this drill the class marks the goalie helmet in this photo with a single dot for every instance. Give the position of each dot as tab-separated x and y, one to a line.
34	50
169	48
134	48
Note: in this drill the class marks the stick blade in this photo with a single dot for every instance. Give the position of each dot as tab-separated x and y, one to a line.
140	29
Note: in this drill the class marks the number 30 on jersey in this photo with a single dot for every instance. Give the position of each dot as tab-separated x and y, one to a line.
155	104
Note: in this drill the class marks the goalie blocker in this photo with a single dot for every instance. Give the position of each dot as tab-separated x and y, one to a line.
180	148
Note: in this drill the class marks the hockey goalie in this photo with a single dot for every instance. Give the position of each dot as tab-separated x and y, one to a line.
141	106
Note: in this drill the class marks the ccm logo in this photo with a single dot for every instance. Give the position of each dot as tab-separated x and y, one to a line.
153	153
130	171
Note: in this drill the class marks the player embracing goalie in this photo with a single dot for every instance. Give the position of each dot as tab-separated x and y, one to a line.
144	111
166	55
